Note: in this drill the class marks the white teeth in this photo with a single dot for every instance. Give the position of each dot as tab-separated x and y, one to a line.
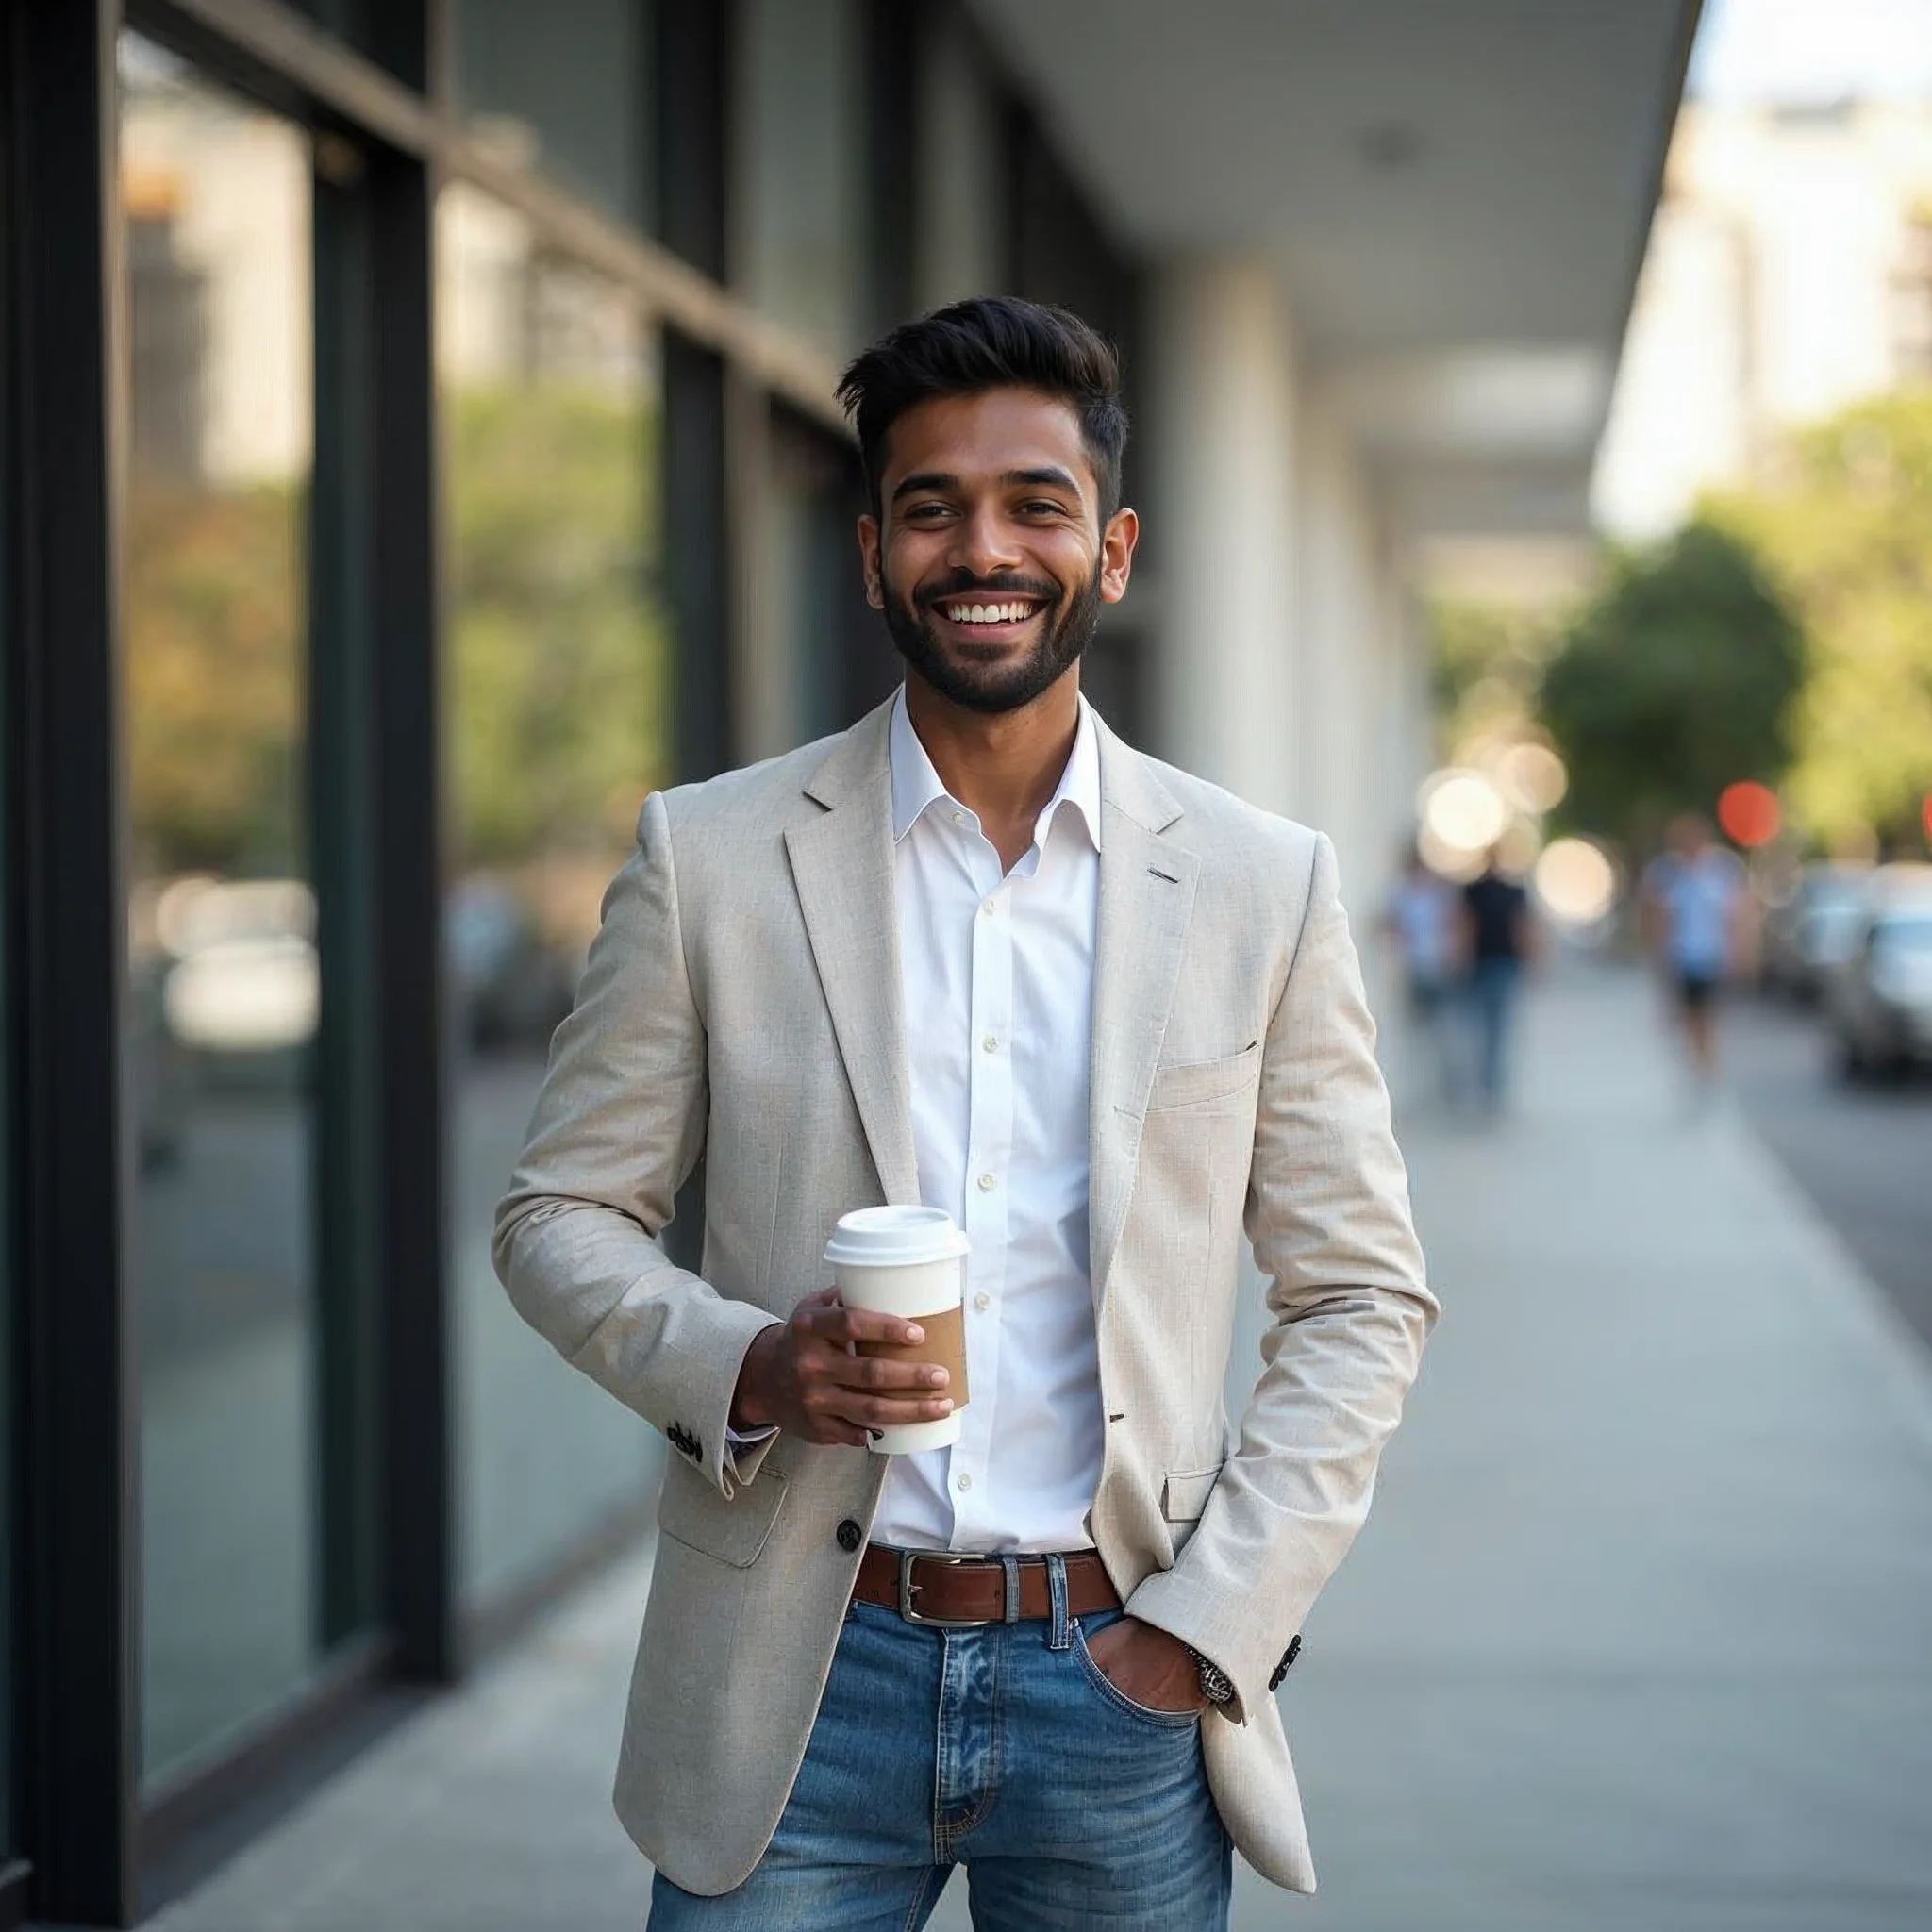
986	613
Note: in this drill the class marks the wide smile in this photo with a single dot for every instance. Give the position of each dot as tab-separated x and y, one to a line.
986	620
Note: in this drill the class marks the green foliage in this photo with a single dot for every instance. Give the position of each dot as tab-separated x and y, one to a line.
215	678
556	672
1678	678
1486	669
1844	526
555	687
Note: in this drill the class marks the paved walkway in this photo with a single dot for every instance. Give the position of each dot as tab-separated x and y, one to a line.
1636	1636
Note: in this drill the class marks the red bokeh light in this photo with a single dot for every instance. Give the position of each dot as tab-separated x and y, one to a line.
1925	815
1748	812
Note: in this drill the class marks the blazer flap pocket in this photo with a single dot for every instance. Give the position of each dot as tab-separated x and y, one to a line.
693	1512
1192	1083
1184	1495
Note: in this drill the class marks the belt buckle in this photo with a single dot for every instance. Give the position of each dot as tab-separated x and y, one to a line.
906	1589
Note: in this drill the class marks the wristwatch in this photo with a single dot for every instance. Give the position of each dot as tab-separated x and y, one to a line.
1217	1687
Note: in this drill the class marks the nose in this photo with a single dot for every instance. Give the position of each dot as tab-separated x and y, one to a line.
984	542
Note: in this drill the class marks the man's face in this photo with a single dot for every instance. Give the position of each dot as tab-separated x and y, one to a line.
990	558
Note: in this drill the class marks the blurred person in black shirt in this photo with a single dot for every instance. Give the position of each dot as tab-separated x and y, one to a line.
1499	940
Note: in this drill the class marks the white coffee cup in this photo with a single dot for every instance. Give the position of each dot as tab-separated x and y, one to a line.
909	1262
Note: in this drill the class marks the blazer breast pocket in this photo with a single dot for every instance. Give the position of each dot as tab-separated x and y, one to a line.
1195	1083
692	1513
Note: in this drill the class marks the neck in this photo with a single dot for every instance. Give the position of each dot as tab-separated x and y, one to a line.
1003	767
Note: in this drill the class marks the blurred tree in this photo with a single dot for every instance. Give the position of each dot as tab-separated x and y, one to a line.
1844	524
215	677
1675	678
1488	668
557	650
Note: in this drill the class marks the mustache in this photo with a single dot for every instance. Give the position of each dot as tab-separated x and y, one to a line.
1003	585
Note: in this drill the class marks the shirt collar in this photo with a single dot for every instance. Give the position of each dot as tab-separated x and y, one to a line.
916	785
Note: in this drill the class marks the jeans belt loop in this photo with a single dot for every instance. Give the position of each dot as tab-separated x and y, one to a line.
1058	1635
1010	1565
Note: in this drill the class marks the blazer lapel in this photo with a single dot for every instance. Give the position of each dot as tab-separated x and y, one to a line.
1146	898
841	865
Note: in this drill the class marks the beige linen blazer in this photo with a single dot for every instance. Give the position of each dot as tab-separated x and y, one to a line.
743	1002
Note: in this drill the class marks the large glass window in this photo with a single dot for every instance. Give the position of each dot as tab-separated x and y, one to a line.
222	983
960	247
564	87
556	698
803	214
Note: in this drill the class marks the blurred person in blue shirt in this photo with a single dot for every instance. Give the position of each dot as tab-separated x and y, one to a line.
1422	917
1695	916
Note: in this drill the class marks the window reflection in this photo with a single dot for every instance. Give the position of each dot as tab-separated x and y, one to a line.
554	728
564	87
804	215
223	991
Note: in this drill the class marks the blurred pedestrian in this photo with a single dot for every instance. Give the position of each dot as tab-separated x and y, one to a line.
1422	919
1498	943
1695	913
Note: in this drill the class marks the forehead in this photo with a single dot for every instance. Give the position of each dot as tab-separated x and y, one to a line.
981	438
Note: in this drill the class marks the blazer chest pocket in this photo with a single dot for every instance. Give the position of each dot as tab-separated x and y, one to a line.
1194	1082
692	1513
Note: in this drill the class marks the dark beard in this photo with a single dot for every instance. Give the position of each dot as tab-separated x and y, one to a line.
1061	642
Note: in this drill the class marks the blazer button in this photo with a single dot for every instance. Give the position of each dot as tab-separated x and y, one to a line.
850	1535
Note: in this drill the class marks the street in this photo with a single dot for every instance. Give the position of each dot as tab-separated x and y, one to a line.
1862	1153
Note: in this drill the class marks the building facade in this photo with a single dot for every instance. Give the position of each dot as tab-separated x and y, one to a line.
1789	275
417	441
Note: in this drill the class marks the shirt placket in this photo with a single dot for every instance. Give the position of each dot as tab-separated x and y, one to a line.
989	1155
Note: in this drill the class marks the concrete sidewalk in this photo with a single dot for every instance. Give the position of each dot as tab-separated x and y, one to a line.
1636	1636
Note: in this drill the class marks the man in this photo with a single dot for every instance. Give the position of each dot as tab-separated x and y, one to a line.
1694	911
978	954
1498	940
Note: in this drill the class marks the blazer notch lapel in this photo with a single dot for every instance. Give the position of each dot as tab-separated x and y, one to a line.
842	867
1146	900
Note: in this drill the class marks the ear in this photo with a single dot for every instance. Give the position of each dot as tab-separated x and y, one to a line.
1117	545
869	564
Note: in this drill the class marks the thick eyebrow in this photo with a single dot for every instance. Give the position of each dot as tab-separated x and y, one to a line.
924	479
1049	476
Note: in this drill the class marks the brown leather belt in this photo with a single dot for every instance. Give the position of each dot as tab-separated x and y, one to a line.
955	1591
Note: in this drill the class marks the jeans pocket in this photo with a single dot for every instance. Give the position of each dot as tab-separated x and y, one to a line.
1141	1713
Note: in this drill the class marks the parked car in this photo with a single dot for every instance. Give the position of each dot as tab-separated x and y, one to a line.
1814	930
1879	997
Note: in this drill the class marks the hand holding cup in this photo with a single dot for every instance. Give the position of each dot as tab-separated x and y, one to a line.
805	1376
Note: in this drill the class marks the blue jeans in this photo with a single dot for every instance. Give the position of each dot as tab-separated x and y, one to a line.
1001	1748
1492	1000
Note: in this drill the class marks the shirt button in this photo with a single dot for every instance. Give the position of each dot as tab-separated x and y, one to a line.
959	818
989	905
982	1301
962	1482
987	1184
991	1042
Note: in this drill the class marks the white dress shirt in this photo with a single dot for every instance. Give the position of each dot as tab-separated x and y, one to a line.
997	974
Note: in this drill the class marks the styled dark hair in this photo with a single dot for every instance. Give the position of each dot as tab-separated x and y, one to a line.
991	341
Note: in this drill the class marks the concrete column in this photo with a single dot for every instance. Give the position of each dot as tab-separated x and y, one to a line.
1221	503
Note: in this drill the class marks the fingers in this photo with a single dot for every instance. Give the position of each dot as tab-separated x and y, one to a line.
878	1372
830	1320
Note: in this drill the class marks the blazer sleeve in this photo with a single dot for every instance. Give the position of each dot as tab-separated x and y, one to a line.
1327	1212
619	1125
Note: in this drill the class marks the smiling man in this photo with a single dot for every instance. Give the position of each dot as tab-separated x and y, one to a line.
976	953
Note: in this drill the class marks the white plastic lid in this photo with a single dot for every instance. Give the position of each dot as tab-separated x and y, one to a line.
894	1237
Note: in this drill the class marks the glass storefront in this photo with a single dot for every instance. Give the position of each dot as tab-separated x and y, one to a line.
802	222
556	705
223	984
564	87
